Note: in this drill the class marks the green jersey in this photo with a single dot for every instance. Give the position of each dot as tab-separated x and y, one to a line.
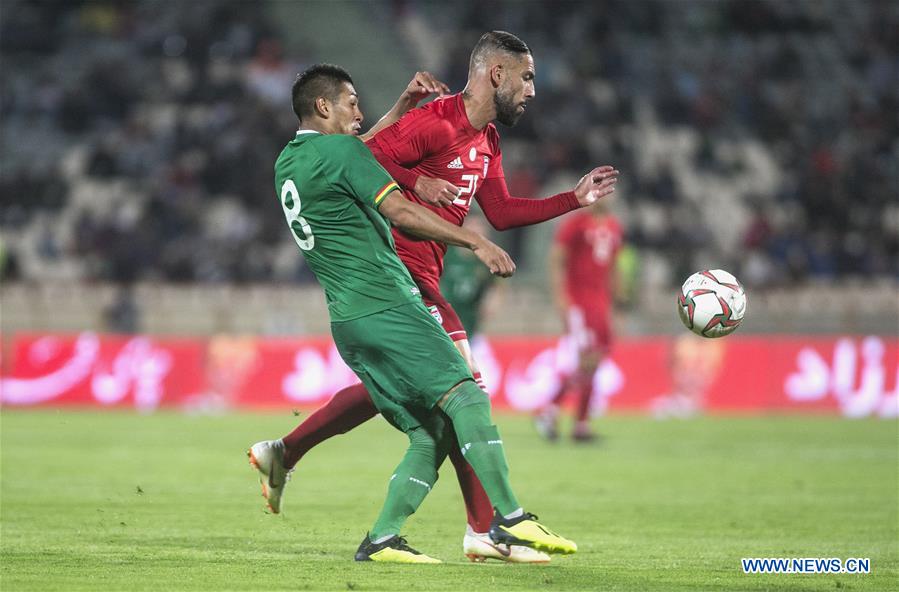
464	284
330	187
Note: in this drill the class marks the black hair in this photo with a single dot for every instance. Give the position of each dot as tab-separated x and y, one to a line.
320	80
497	41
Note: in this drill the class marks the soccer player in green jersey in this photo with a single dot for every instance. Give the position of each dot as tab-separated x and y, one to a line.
339	203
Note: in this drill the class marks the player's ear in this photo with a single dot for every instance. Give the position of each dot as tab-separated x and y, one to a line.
497	73
322	107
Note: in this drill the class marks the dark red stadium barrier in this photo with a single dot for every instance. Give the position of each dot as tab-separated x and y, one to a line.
856	376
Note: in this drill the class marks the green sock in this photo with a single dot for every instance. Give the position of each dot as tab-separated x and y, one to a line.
481	444
411	482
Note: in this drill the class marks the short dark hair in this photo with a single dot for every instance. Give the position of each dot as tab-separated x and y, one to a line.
320	80
497	41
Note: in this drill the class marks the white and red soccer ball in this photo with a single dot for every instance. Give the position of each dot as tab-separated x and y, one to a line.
712	303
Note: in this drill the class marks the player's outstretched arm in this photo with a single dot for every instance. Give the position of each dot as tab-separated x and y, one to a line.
504	211
423	85
421	222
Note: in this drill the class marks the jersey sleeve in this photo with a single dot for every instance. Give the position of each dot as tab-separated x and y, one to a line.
405	177
406	143
504	211
358	173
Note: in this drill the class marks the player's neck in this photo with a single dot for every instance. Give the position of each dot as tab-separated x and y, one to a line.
479	109
314	126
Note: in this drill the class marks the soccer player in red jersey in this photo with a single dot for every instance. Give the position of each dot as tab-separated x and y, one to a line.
582	268
444	154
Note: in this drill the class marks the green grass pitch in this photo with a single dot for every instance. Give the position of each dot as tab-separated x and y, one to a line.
119	501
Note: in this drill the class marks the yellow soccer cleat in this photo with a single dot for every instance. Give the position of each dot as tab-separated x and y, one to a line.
393	550
525	530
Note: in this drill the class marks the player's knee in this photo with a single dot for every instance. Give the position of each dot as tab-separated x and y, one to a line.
445	444
466	394
422	442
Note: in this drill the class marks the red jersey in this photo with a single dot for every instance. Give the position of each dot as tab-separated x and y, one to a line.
591	245
437	140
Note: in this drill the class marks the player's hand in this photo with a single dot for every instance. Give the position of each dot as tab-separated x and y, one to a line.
497	261
595	185
436	192
423	85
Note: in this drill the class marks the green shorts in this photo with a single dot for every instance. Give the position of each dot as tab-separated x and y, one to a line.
404	358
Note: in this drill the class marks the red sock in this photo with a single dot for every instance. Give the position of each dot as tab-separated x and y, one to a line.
477	504
479	380
584	394
347	409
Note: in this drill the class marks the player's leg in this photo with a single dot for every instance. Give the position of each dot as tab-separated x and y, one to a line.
476	543
275	459
546	420
416	364
347	409
410	483
583	387
477	503
480	442
597	343
407	363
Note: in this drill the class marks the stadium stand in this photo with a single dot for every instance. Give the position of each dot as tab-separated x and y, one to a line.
138	138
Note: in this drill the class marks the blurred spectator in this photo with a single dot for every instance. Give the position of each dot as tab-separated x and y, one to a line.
123	315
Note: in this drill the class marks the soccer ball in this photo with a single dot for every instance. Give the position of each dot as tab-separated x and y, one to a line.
711	303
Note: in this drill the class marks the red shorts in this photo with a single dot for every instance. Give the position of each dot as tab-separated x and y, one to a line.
589	328
440	309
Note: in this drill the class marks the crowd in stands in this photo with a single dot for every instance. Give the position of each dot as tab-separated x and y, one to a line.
137	138
759	135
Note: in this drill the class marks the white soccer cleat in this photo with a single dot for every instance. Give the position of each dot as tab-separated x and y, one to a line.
267	457
479	548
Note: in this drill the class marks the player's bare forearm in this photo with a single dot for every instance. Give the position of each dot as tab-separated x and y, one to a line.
398	110
423	84
421	222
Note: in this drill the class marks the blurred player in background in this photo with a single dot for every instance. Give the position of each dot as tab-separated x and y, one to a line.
445	154
474	296
465	284
584	280
695	363
337	201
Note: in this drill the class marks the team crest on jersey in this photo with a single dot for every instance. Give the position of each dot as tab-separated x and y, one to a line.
436	314
486	164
